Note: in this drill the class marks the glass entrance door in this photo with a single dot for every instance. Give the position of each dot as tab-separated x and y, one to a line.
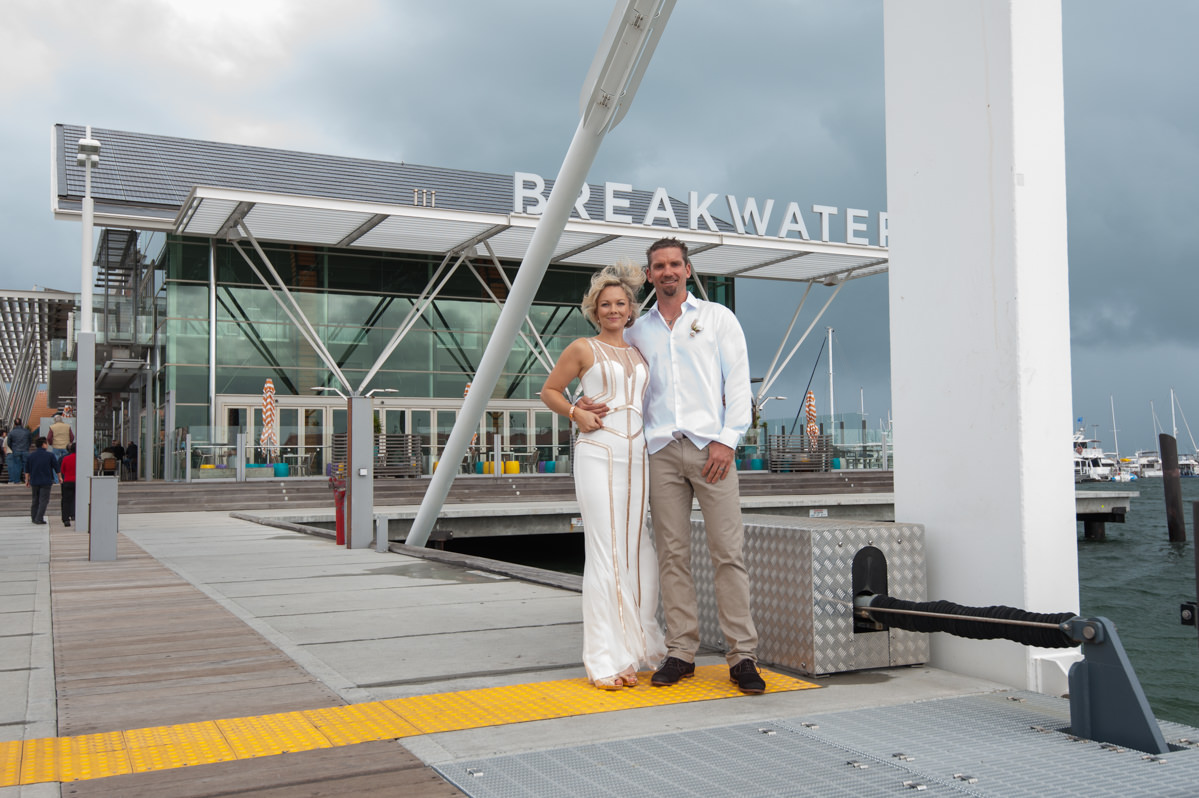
302	433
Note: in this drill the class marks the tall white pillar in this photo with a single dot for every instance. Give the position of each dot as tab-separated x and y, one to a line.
980	336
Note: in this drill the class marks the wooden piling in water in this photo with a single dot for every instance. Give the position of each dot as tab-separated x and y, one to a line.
1172	488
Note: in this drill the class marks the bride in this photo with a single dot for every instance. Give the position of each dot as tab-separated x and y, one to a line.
620	575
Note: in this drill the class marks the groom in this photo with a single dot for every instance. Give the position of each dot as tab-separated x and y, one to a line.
697	407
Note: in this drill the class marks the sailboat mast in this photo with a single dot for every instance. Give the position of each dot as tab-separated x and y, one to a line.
1173	421
1115	437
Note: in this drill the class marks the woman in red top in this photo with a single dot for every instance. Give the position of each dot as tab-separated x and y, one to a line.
67	470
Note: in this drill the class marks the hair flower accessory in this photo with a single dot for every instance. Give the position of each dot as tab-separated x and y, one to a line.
695	328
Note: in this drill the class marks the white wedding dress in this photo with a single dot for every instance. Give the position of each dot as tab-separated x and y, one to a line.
620	574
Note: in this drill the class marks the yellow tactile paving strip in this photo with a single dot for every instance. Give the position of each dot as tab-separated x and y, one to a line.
94	756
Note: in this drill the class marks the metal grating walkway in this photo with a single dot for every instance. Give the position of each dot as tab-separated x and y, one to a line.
991	745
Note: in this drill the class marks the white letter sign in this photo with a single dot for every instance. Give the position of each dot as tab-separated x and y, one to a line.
660	200
612	202
522	190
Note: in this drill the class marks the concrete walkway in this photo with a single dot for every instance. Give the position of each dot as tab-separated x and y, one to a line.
373	626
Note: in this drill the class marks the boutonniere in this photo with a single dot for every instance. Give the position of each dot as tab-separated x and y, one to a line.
695	328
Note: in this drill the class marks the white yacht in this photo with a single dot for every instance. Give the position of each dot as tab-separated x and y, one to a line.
1091	463
1147	463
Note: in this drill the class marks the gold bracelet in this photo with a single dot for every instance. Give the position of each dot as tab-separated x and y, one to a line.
571	413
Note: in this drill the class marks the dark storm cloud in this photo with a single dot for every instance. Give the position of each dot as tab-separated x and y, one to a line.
1132	160
775	100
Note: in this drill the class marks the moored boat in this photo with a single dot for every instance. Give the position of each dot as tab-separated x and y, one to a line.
1147	463
1091	463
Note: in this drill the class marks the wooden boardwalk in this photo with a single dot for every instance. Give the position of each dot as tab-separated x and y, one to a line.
137	646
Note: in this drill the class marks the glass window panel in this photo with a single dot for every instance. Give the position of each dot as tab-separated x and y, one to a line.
235	422
543	435
422	426
395	422
518	430
187	341
187	300
449	386
445	425
289	427
190	383
193	420
189	259
314	439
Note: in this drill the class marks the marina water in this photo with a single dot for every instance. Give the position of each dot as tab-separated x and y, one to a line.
1137	579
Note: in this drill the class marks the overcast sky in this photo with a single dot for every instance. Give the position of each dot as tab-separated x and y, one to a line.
780	100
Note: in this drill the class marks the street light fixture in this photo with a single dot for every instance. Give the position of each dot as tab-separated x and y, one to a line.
88	156
328	388
757	408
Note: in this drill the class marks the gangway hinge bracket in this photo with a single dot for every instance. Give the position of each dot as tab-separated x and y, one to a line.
1106	700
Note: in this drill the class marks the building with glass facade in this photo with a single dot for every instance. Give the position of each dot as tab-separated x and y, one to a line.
222	266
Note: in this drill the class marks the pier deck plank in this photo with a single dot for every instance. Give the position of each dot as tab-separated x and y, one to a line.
125	658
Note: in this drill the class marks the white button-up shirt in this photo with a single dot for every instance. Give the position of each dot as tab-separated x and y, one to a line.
698	375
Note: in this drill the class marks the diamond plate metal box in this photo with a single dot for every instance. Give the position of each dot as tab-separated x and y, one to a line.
801	589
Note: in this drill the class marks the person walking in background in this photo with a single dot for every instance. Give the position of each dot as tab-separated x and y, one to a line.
61	436
40	473
131	460
17	453
67	472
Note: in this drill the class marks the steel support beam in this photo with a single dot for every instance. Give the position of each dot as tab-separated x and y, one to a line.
623	56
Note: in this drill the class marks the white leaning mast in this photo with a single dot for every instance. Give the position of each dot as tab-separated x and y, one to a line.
624	53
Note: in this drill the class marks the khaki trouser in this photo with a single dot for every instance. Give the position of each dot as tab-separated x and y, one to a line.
674	479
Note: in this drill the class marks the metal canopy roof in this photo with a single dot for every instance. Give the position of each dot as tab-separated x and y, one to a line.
29	320
151	182
327	221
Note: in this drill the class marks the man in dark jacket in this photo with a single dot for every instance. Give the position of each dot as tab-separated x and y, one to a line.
131	459
18	451
40	472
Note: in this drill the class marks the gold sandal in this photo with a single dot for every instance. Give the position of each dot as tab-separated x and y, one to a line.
609	683
629	677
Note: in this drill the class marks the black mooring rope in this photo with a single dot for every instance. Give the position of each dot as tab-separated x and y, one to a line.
977	630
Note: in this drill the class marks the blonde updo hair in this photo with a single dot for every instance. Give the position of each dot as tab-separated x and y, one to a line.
627	275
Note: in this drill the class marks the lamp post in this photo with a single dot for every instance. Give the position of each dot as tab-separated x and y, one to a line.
85	348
